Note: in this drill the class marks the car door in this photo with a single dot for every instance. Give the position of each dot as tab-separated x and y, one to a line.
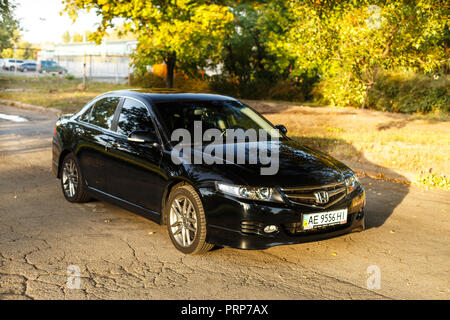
135	174
93	140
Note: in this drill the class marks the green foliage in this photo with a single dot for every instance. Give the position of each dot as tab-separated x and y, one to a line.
184	34
8	24
77	37
66	37
286	90
411	93
147	80
24	50
350	42
244	53
433	180
338	52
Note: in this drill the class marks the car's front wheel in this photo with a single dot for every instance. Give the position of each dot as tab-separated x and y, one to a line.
186	220
72	180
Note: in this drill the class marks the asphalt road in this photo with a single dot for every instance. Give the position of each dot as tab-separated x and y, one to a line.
124	256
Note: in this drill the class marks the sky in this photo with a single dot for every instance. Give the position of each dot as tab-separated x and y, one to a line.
41	21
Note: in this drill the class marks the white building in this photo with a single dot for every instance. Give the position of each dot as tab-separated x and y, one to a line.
109	60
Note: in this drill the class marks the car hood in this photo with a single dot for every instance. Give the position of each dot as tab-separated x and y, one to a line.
297	165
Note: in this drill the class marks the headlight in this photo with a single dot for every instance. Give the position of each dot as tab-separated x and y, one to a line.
351	183
253	193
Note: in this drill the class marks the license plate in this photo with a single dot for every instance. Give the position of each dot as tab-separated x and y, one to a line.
313	220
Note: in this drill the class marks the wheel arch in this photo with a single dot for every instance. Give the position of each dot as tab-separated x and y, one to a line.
169	187
62	155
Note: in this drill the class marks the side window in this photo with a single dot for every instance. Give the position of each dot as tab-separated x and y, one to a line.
135	117
103	113
86	115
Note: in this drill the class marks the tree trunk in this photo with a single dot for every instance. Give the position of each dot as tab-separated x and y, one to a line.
170	63
365	98
369	86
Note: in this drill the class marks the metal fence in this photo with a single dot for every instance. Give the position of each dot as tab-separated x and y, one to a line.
108	62
111	68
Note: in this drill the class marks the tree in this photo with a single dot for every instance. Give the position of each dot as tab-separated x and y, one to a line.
77	37
183	34
23	50
8	24
244	53
350	43
66	37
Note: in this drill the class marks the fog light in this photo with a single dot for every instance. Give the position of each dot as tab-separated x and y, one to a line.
270	229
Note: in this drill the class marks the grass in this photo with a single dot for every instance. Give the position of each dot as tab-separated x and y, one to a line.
44	91
409	92
403	144
415	144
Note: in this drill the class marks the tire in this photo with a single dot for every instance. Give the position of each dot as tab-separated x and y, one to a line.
24	70
72	180
180	220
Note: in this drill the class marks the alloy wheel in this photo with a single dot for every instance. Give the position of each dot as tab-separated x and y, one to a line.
183	221
70	178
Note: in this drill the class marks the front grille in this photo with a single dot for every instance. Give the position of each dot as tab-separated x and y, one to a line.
305	195
296	228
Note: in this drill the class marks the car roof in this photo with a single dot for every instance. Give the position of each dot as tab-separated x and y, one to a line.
169	95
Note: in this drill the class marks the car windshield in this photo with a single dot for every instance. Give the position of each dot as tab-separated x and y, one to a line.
221	115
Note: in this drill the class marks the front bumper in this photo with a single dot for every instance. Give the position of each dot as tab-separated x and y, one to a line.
238	223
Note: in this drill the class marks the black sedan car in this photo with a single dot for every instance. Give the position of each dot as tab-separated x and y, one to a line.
120	148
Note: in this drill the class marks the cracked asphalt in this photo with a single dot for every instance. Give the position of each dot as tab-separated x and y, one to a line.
121	255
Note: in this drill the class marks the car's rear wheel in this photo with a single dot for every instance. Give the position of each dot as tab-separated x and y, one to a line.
186	220
72	180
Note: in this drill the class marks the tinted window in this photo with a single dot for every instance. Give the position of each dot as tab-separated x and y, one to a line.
134	117
103	113
219	115
86	115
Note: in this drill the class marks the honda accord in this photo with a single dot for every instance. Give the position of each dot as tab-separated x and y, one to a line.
124	147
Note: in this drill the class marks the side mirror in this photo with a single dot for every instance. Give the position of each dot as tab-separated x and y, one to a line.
142	137
281	128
